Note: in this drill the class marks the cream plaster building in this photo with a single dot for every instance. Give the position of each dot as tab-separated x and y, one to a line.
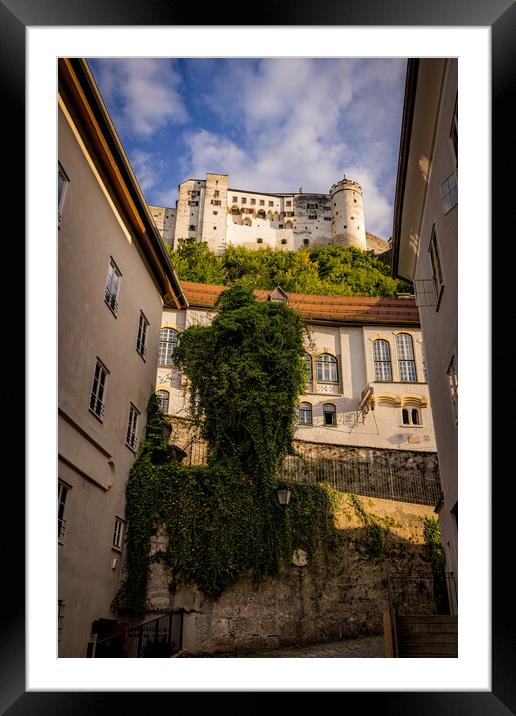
365	364
114	277
425	251
211	211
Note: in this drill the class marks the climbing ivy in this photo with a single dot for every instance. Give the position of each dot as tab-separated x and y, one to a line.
375	532
435	554
223	520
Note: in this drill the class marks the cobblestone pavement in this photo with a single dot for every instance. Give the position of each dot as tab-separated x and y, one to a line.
368	647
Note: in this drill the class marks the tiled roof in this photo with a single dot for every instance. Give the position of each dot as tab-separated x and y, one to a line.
360	309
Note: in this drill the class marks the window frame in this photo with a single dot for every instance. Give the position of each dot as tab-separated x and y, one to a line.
409	410
167	393
60	199
132	427
377	362
321	362
302	409
404	362
451	194
63	488
141	338
118	534
110	298
437	271
330	412
168	354
95	398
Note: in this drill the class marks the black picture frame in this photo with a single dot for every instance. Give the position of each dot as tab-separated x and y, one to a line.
500	16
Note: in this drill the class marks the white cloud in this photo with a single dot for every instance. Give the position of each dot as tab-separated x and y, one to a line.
146	168
143	93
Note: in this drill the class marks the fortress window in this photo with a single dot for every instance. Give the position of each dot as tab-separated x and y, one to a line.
244	200
214	228
355	201
283	241
259	241
327	368
406	362
215	213
235	199
312	216
262	202
253	201
271	203
330	414
305	413
345	226
191	227
281	226
327	218
289	203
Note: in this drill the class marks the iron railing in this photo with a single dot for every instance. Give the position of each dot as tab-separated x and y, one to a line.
110	299
160	637
364	478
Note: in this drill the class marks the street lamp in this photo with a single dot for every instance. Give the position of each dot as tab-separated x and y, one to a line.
283	494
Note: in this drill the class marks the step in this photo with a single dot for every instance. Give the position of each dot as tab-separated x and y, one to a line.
427	619
427	638
427	629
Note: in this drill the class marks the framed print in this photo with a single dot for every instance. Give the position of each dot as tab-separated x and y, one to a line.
30	682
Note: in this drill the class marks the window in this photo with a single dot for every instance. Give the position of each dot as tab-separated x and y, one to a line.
253	201
312	216
437	274
410	417
216	193
327	368
112	286
262	202
306	242
281	226
131	427
216	202
193	203
382	360
312	206
288	203
283	241
454	134
118	533
308	362
62	181
62	495
330	414
168	340
98	390
215	213
259	241
449	193
305	413
327	218
235	199
244	200
142	336
191	227
271	203
214	228
423	362
163	398
406	363
453	383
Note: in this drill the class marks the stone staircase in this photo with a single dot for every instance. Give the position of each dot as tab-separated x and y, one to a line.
434	635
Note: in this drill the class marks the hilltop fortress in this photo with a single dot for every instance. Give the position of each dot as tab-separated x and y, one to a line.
211	211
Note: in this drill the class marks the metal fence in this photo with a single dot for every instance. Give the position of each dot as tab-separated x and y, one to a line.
365	478
158	637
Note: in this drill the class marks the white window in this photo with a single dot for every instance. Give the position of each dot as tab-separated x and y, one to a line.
112	286
131	427
163	400
142	336
98	389
437	273
118	533
382	360
406	362
449	193
453	383
305	413
330	414
62	495
327	368
168	340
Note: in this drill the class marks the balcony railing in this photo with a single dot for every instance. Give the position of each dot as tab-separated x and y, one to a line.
142	350
110	299
159	637
61	526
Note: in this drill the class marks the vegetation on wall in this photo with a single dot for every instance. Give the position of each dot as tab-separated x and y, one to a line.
375	532
328	270
435	555
223	520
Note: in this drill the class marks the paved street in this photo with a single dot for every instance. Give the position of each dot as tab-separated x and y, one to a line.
369	647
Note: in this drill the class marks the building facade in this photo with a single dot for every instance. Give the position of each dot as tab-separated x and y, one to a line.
114	276
211	211
425	251
366	371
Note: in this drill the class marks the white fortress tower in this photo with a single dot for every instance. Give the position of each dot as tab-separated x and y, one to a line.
348	221
211	211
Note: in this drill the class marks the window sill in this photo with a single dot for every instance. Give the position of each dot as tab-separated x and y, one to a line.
116	549
111	309
141	356
410	426
131	448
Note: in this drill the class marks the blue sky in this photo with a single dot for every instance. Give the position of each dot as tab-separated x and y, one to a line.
271	124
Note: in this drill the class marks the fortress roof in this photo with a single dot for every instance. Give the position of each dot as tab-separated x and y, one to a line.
334	309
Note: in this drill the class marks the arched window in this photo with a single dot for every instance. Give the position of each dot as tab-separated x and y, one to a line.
327	368
308	362
415	416
405	416
406	362
163	398
330	414
168	338
283	241
382	360
305	413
